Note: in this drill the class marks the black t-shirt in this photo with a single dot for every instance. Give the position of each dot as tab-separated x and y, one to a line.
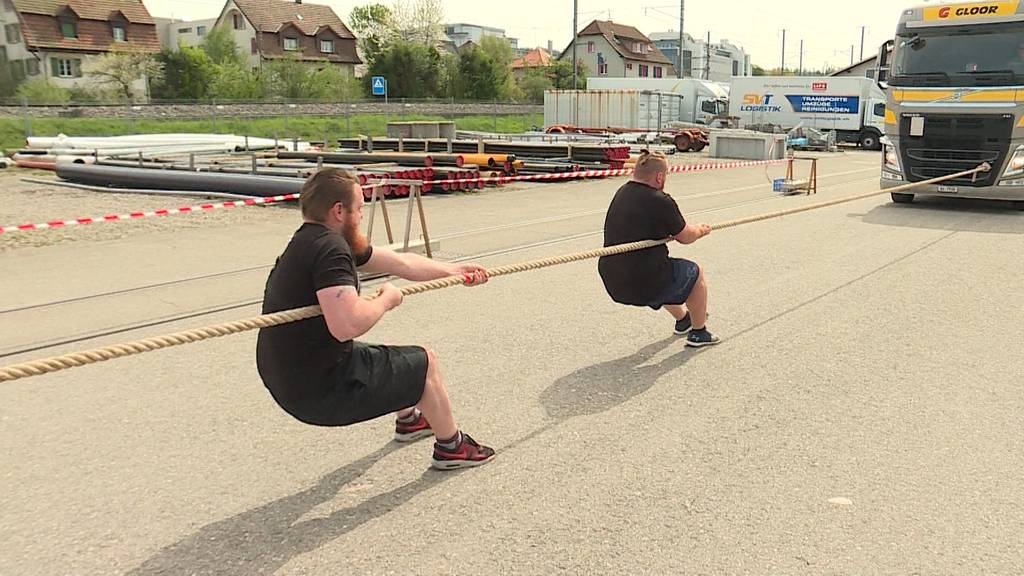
639	212
294	359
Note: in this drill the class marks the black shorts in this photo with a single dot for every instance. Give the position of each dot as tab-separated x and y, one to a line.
376	380
684	278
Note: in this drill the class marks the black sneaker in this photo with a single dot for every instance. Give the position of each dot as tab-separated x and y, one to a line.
683	326
699	338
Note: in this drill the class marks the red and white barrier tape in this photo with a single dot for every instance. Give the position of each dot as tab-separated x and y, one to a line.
608	173
273	199
137	215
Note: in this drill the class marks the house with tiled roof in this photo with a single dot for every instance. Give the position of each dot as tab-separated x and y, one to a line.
57	39
266	30
532	59
618	51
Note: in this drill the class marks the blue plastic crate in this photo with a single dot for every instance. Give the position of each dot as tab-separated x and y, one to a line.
777	184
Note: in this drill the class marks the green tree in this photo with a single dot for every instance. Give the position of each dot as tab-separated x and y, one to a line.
501	55
448	79
374	26
188	74
412	70
42	91
287	78
219	45
478	75
236	82
561	72
332	84
121	69
534	83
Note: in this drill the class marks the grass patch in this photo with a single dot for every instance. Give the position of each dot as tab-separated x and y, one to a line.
12	130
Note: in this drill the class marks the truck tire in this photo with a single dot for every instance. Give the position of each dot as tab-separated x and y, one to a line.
902	198
698	146
683	142
870	140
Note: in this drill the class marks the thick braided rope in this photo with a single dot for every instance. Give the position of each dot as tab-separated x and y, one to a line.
57	363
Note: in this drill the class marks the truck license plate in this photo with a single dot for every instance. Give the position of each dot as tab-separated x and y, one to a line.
950	189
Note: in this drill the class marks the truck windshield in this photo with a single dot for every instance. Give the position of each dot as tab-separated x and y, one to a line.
991	55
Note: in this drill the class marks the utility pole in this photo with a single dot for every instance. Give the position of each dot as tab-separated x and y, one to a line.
851	54
575	24
862	42
801	57
782	70
679	67
707	58
575	65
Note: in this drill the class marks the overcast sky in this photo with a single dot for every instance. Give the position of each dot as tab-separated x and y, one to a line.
828	29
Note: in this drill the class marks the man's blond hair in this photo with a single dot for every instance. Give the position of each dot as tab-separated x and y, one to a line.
650	164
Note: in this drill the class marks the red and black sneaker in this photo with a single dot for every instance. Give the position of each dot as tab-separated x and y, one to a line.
412	431
468	454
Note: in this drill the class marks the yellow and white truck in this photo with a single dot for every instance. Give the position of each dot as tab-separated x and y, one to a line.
954	82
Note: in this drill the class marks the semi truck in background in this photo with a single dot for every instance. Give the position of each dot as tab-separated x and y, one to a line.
954	83
701	101
853	107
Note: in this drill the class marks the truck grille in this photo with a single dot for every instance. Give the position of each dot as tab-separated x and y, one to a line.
952	144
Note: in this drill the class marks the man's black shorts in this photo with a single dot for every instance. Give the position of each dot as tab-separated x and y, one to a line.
684	278
376	380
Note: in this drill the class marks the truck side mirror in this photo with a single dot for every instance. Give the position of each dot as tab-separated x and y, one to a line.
883	63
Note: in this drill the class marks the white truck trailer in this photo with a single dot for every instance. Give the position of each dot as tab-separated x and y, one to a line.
702	101
852	106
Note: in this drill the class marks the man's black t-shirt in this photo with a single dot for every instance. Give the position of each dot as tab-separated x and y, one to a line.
294	359
639	212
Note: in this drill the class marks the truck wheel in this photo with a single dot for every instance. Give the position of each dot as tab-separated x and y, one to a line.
683	142
698	146
902	198
870	141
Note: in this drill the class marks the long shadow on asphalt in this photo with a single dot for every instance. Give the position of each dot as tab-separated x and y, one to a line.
601	387
952	214
262	540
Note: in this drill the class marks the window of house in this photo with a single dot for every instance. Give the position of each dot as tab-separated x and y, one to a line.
735	67
657	71
629	65
119	33
590	47
184	30
602	69
644	71
253	48
200	30
291	44
32	67
17	70
66	67
68	29
236	21
13	33
327	46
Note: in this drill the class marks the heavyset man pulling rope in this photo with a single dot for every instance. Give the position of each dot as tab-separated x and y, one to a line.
356	381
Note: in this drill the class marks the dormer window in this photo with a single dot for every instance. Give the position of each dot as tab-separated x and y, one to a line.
291	44
327	46
118	32
68	29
